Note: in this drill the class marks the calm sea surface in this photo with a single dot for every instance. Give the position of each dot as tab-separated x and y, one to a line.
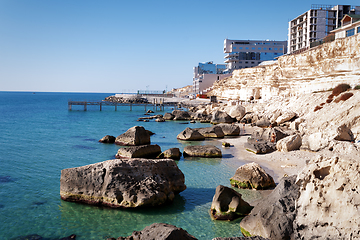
40	137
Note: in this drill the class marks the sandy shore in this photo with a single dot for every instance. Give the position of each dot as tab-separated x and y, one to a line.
277	164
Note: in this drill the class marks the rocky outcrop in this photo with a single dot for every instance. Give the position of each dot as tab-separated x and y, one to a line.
211	132
251	175
108	139
133	137
317	69
229	129
190	135
227	204
160	231
207	151
143	151
221	117
123	183
289	143
328	205
273	217
172	153
240	238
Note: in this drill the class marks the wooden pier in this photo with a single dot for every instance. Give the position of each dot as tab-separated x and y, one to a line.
156	106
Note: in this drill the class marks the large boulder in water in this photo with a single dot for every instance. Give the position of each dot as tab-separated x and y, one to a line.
190	135
134	136
207	151
143	151
181	115
123	183
160	231
211	132
251	175
227	204
168	116
172	153
221	117
273	216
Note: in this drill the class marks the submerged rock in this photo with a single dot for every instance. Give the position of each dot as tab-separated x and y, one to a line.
160	231
134	136
227	204
123	183
207	151
251	175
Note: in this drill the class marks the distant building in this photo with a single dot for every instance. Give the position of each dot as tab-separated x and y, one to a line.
316	24
205	74
350	25
250	53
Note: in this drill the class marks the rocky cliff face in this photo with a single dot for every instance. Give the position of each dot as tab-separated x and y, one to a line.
318	69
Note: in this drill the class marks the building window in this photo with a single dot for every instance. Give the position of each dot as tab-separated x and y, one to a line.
240	47
246	62
259	48
280	49
358	30
270	48
252	62
234	47
350	32
247	48
275	49
253	48
264	48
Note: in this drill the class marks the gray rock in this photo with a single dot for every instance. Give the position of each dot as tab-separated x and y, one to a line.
168	116
259	146
160	231
221	117
227	204
181	115
190	135
202	151
263	122
172	153
273	217
251	175
289	143
229	129
160	119
123	183
265	133
108	139
211	132
133	137
285	116
143	151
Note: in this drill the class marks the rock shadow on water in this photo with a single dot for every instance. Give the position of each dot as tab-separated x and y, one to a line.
6	179
207	161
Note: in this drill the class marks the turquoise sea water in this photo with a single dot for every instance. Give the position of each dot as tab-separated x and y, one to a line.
40	137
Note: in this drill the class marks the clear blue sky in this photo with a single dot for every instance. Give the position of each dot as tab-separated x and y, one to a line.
125	46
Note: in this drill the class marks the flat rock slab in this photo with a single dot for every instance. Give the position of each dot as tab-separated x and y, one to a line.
125	183
259	146
207	151
143	151
211	132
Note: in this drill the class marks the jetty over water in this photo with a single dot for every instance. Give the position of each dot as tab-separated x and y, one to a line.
85	103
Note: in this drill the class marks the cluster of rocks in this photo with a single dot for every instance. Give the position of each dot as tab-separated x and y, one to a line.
38	237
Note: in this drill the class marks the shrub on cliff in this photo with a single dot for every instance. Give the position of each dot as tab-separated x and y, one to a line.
340	89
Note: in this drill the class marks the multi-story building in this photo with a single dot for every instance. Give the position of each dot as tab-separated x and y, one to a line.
205	74
316	24
350	25
250	53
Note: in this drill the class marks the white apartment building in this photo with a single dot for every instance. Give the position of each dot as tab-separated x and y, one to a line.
350	25
250	53
205	74
316	24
